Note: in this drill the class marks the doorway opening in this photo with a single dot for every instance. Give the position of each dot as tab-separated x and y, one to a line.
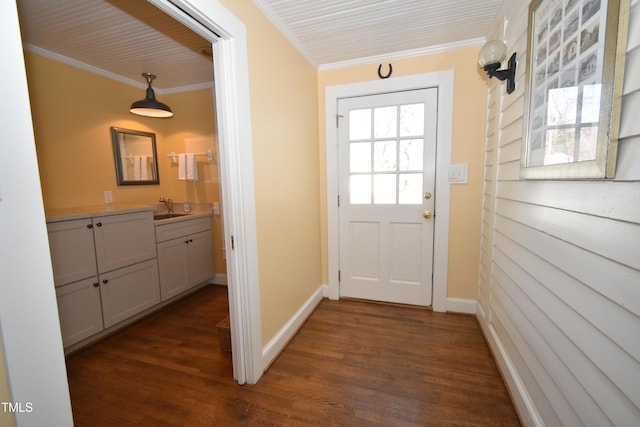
227	34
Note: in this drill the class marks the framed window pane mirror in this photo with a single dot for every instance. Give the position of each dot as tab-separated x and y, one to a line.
575	64
135	156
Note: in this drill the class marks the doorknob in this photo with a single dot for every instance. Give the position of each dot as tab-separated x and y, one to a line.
426	214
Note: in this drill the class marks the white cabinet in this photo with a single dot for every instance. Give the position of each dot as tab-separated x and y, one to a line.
128	291
124	239
172	263
105	271
79	310
72	253
185	255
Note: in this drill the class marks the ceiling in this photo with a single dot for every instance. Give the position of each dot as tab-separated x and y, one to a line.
330	32
123	38
119	38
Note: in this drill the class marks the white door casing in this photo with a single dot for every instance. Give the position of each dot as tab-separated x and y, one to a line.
443	80
387	147
228	35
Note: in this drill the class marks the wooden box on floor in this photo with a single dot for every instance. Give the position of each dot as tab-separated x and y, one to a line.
224	332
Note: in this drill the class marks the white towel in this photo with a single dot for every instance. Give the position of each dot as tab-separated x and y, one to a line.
182	167
192	167
144	168
137	162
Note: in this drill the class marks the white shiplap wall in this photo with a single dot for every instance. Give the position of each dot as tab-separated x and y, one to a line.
559	289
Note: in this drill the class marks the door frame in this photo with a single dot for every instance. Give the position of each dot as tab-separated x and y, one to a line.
443	80
228	35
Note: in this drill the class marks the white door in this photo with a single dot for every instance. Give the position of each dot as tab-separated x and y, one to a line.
387	148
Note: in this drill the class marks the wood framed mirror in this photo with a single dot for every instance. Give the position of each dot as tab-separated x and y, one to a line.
135	155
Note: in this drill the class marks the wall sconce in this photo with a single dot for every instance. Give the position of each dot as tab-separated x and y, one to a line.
490	57
149	106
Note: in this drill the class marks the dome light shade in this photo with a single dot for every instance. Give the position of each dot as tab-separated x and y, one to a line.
149	106
492	52
490	57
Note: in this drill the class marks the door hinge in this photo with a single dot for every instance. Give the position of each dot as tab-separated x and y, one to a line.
338	201
338	116
338	276
233	243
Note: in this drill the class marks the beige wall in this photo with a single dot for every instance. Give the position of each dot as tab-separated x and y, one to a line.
467	147
284	120
73	140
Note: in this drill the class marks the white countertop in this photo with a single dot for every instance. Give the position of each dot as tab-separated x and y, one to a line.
68	214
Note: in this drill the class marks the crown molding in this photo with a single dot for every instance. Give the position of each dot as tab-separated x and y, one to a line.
404	54
285	31
113	76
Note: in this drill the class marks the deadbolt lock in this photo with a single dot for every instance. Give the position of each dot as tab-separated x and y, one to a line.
427	195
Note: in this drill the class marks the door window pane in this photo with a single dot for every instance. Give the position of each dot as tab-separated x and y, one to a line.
410	189
385	122
384	189
412	120
360	189
384	156
360	157
360	124
410	153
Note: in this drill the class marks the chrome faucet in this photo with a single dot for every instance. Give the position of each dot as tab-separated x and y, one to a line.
168	203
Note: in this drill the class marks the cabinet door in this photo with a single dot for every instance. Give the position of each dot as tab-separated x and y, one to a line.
79	310
72	254
124	239
173	264
200	257
128	291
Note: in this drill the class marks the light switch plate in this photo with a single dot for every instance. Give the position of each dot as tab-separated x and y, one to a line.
108	197
458	174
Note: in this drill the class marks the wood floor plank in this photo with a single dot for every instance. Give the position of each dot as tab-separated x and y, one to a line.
351	364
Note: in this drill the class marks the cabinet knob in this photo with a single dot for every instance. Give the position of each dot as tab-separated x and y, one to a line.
186	241
95	285
190	240
98	224
105	281
89	225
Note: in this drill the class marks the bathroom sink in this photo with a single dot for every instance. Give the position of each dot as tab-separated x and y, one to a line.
169	215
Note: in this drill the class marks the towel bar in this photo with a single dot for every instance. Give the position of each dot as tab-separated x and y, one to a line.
174	156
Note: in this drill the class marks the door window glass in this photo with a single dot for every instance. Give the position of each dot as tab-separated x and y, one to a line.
360	124
386	154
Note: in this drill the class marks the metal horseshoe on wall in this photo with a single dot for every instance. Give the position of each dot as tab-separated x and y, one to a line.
388	74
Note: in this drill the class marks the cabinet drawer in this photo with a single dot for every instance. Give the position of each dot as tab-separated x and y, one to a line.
182	228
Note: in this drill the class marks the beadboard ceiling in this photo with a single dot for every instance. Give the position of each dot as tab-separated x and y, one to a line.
334	33
117	38
123	38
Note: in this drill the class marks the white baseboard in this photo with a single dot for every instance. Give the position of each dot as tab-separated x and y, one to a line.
457	305
287	332
219	279
519	395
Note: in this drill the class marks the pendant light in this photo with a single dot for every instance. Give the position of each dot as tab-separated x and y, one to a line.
149	106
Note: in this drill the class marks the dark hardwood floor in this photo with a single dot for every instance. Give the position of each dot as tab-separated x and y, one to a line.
352	364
